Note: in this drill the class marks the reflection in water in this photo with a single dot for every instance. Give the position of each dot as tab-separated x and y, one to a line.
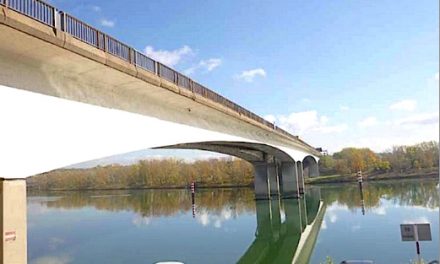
277	241
361	192
229	226
364	223
279	222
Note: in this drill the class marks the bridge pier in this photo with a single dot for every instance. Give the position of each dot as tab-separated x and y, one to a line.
265	180
310	167
274	184
300	172
289	180
13	221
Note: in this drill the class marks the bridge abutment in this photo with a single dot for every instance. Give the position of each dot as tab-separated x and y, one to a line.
13	221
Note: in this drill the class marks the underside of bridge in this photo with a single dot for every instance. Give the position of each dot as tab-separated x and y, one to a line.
276	172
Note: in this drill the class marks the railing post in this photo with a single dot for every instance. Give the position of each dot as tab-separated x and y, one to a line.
191	85
105	42
98	45
131	56
6	3
54	18
157	68
63	21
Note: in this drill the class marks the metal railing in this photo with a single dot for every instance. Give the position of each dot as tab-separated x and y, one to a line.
167	73
35	9
54	18
144	62
80	30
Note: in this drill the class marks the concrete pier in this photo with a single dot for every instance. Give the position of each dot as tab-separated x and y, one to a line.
261	181
266	182
272	174
300	172
13	222
289	180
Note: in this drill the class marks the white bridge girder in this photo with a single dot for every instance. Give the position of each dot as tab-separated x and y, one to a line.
41	133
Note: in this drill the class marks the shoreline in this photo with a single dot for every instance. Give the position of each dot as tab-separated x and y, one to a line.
332	179
377	177
146	188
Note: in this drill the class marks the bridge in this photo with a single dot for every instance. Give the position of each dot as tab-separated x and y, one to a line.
71	93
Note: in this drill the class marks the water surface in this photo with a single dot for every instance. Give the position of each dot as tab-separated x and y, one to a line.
228	226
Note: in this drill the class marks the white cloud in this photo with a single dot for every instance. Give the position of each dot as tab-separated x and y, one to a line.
168	57
249	75
55	242
210	64
368	122
270	118
419	119
206	65
405	105
203	218
95	8
52	260
344	108
107	23
436	76
379	210
332	129
306	100
304	122
141	221
323	225
333	218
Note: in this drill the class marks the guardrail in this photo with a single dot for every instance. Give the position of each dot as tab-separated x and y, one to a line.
49	15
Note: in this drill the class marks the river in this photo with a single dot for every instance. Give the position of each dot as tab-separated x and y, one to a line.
228	226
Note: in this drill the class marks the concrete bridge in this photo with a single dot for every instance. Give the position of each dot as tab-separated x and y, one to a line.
71	93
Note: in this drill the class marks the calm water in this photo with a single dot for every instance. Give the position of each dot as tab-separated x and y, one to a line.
228	226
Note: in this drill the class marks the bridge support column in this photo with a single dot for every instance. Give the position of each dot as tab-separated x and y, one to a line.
289	180
299	169
274	184
13	221
265	180
261	182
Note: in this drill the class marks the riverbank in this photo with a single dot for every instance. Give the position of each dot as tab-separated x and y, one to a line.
316	180
424	174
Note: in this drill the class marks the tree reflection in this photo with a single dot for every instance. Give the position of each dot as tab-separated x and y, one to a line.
403	193
156	203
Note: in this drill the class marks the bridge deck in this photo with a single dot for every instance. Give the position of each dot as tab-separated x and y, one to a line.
67	32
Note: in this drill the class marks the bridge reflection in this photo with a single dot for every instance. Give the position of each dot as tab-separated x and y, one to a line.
286	230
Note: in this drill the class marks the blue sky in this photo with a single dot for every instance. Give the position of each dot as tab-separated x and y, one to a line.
337	73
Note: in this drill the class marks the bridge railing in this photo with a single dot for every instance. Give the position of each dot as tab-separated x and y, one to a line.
35	9
49	15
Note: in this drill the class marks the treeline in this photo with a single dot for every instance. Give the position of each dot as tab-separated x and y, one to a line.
420	158
148	174
400	159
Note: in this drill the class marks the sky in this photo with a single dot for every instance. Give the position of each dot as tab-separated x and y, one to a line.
336	73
